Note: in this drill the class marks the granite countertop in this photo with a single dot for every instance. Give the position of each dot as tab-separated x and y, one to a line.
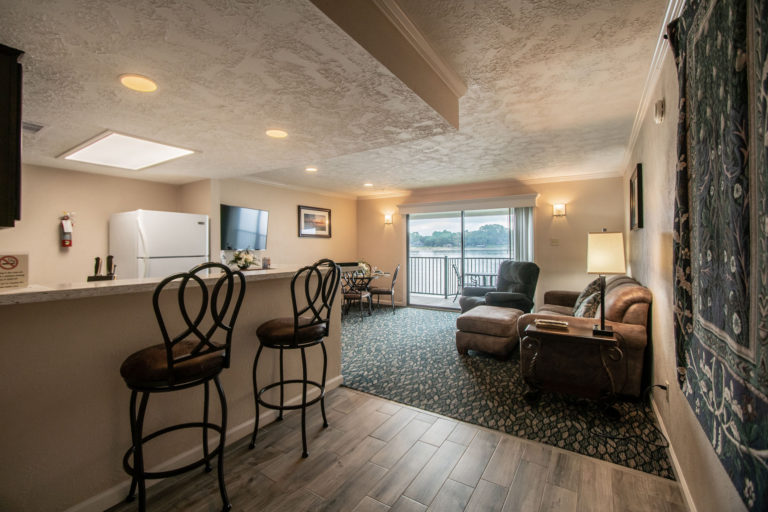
66	291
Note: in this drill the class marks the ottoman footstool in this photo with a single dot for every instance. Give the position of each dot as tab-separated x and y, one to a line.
490	329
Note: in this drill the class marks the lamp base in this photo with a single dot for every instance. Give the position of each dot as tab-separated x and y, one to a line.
607	331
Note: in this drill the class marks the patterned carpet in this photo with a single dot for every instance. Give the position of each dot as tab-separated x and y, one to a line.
411	358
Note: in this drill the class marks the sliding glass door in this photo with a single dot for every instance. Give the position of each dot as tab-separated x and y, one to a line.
434	258
448	250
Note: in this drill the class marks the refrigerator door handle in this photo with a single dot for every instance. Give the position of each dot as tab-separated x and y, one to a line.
143	249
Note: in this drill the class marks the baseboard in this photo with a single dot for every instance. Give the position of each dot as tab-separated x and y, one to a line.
675	463
117	494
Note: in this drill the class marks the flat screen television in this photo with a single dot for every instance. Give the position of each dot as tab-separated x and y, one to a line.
243	228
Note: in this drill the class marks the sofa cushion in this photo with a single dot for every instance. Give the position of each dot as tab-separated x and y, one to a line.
591	289
490	320
554	309
588	307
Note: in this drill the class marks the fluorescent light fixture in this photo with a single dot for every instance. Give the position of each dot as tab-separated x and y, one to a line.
277	134
123	151
138	83
367	184
311	169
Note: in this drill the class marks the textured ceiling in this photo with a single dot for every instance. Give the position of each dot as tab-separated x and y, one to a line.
553	87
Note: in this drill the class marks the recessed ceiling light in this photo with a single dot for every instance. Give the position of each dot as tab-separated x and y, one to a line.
367	184
138	83
118	150
277	134
311	169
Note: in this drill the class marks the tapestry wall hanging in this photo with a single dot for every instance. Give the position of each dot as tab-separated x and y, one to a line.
721	230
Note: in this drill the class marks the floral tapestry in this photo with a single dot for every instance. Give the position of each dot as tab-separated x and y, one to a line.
721	231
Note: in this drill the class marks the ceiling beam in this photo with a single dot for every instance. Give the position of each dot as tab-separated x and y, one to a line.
385	31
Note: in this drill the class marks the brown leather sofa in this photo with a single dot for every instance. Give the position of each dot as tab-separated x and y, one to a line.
568	366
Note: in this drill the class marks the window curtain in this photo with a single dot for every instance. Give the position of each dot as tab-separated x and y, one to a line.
522	235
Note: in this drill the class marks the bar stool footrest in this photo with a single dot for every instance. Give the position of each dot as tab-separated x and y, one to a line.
290	407
177	471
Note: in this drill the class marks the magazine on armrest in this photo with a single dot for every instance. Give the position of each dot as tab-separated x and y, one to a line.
546	323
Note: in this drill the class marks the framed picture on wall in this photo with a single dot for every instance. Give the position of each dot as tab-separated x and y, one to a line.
636	198
314	222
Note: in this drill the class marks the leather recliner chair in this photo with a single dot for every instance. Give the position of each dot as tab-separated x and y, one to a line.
515	286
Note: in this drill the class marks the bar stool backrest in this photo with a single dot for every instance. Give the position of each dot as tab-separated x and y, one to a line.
223	307
319	291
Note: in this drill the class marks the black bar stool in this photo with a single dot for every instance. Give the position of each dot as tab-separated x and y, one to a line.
307	328
190	358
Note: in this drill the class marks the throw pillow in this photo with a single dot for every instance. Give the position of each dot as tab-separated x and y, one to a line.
588	307
593	287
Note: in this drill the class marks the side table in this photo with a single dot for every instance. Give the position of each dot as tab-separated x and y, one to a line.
572	361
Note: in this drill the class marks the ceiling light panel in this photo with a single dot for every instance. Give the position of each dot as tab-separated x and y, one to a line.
123	151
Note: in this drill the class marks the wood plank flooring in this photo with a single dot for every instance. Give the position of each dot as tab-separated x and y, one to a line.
380	456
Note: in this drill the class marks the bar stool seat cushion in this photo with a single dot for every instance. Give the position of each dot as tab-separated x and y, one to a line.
149	367
279	331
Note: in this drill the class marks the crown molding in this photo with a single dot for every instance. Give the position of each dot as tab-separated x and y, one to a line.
385	195
674	9
416	39
573	177
298	188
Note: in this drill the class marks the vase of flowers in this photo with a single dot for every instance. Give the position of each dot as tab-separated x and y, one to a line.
242	259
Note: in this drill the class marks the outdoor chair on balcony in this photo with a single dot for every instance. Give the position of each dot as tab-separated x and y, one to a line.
460	281
515	286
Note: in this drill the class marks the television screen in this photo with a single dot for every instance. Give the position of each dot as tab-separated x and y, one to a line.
243	228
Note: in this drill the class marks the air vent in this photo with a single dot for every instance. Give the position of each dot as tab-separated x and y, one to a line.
31	127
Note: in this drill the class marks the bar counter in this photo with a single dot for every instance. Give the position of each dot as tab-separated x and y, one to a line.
64	405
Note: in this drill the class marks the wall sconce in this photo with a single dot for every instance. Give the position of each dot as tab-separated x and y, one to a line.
387	218
558	210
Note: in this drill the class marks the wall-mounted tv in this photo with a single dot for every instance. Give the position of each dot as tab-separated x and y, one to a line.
243	228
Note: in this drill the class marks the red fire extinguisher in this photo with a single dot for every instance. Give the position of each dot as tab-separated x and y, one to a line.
66	231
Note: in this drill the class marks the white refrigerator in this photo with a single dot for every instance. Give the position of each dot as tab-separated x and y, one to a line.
146	243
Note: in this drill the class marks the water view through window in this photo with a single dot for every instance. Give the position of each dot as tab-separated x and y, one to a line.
448	250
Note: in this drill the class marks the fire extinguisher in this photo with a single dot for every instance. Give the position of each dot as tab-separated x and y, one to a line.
66	230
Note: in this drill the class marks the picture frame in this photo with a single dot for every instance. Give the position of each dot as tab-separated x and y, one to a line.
314	222
636	198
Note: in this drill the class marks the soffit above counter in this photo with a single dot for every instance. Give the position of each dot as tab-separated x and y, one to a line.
393	39
516	201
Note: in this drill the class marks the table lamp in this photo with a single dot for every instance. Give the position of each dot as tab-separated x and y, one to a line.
605	255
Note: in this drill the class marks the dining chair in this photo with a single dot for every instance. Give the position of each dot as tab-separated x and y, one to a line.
379	291
353	292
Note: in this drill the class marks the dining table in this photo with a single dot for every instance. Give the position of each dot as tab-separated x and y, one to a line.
363	281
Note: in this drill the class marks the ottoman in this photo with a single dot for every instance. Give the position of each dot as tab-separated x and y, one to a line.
489	329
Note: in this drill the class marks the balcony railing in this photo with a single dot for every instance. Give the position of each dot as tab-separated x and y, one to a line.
440	275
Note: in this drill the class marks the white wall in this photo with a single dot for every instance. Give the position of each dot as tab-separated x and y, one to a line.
46	193
284	246
591	206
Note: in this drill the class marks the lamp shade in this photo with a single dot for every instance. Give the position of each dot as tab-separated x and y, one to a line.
605	253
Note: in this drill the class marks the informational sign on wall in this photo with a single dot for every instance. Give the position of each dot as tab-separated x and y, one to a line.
14	271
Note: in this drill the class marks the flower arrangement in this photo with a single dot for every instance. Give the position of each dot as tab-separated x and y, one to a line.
243	259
